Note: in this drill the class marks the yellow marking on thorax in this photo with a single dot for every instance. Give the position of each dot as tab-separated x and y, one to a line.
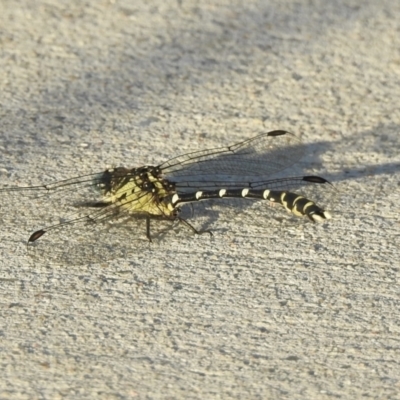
136	200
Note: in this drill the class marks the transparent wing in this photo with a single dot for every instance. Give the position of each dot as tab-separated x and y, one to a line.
82	194
79	228
84	185
235	165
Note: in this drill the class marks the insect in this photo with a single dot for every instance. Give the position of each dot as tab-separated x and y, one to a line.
241	171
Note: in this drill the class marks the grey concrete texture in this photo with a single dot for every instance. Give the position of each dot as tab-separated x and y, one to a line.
267	308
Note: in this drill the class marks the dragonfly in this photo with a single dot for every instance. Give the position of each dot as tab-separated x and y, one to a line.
160	193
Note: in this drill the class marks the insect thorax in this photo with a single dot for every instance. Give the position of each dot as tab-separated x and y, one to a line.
138	190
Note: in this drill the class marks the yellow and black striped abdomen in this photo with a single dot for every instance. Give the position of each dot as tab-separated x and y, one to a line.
292	202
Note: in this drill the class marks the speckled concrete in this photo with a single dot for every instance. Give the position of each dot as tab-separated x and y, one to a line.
261	311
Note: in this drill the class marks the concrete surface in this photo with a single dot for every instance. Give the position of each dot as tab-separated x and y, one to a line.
267	311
